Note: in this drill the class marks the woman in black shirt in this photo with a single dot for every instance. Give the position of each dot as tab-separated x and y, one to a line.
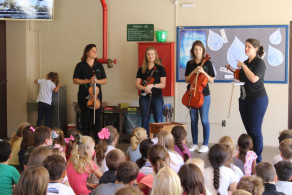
253	101
151	94
83	76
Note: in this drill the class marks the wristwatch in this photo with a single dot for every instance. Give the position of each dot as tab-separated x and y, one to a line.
242	65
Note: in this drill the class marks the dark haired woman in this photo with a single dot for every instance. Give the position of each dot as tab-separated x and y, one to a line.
83	76
253	101
151	94
198	53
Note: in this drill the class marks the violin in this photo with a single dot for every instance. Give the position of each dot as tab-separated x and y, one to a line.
194	98
93	102
235	72
149	80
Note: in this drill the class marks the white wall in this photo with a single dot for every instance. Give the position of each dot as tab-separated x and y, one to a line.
57	46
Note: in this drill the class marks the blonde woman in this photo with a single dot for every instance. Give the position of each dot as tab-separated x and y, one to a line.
166	182
151	92
133	152
80	164
166	140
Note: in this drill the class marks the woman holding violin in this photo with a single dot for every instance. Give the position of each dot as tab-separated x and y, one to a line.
194	66
87	73
151	79
253	101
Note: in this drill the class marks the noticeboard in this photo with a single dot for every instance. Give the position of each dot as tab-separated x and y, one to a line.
140	32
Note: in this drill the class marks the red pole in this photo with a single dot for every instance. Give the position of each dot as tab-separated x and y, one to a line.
104	8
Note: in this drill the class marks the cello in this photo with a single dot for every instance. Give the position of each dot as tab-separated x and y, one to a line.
93	102
235	72
194	98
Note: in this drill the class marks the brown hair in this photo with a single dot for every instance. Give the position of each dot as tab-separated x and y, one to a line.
244	145
266	171
200	44
159	157
27	138
284	170
256	44
252	184
56	165
33	181
286	148
54	77
101	147
166	140
60	139
145	61
38	155
74	132
41	134
227	140
127	172
86	50
287	133
18	134
192	179
129	190
114	158
179	134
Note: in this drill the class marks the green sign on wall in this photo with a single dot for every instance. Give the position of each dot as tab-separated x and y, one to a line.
140	32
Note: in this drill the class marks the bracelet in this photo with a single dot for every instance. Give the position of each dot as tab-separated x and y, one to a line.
242	65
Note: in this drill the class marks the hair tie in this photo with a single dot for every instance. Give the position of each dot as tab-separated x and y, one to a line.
55	134
31	128
104	134
67	140
184	152
78	139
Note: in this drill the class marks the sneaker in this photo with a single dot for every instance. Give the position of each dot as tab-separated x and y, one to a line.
193	147
204	149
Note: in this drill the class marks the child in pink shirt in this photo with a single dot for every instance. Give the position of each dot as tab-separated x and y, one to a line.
81	165
245	154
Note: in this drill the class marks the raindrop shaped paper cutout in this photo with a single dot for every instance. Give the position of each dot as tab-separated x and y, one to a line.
215	41
275	56
276	37
236	52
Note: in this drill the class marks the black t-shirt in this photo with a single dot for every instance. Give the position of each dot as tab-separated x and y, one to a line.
253	90
84	71
208	68
159	72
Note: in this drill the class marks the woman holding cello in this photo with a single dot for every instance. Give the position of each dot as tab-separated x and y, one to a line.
151	79
194	66
87	74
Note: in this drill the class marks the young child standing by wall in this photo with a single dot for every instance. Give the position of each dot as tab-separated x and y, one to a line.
44	99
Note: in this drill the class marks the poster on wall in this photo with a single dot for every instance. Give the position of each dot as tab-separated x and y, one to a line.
226	45
26	9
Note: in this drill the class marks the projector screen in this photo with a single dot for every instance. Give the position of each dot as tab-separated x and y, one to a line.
26	9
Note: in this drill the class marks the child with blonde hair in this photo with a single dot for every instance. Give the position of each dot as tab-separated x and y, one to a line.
166	182
15	143
47	87
33	181
246	155
80	164
166	140
133	152
227	140
108	138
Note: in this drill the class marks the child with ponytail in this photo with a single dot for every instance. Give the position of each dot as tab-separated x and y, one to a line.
27	141
133	152
159	158
80	164
143	162
245	154
179	134
219	178
108	138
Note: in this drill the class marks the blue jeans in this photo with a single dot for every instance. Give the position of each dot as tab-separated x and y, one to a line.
204	115
252	114
44	109
156	105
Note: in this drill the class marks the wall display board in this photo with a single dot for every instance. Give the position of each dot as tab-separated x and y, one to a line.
140	32
226	45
